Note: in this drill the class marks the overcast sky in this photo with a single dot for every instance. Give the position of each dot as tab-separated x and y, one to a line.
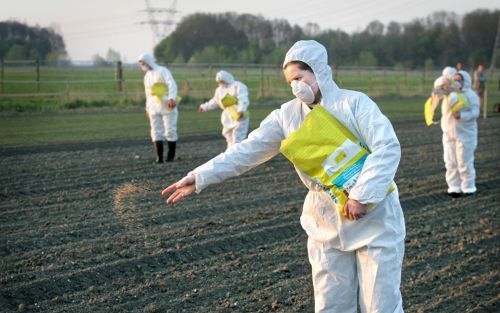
91	27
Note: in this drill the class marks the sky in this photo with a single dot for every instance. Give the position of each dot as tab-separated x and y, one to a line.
91	27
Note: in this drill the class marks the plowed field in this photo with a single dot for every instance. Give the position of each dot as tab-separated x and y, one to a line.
83	228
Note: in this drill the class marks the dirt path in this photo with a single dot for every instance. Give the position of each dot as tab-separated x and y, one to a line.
83	229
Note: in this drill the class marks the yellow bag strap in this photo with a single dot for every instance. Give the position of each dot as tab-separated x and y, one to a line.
462	101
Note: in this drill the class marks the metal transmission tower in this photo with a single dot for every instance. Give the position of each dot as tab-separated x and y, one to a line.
161	20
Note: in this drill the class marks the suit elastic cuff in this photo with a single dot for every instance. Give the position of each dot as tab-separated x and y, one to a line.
198	181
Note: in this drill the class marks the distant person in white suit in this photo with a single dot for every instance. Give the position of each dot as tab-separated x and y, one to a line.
459	113
161	107
232	97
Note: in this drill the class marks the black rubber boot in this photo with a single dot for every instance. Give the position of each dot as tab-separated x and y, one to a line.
158	148
454	194
171	151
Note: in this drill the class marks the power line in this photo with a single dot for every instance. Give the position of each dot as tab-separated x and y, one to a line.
85	22
98	30
408	4
105	32
338	11
297	5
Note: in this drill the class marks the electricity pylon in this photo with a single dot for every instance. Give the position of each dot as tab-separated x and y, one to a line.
161	20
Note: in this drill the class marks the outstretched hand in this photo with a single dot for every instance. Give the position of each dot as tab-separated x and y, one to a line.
180	189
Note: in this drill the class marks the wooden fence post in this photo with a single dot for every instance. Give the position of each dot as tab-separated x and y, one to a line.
37	66
119	75
398	83
262	82
423	81
385	81
66	91
485	103
406	80
1	75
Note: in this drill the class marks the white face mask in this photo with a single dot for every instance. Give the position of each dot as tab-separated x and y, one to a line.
303	91
457	85
144	67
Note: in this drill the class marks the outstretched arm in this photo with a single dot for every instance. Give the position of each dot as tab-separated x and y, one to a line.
261	145
211	104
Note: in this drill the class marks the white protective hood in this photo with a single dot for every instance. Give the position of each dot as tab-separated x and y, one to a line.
224	76
467	80
314	54
448	72
439	82
149	60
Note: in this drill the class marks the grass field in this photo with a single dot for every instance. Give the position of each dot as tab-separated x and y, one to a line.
54	88
108	124
103	125
83	103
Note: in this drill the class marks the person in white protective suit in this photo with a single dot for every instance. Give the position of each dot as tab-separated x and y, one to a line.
445	84
234	118
161	109
460	137
363	248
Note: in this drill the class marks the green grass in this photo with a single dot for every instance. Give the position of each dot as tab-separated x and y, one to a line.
105	124
84	87
59	127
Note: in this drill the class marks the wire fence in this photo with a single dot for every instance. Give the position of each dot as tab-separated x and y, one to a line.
21	80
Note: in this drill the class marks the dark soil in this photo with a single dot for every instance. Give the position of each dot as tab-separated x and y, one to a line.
83	228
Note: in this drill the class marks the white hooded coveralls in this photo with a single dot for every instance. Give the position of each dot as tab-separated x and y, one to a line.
234	131
460	140
163	120
344	254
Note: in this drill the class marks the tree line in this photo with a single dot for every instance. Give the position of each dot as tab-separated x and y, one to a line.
22	42
442	38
